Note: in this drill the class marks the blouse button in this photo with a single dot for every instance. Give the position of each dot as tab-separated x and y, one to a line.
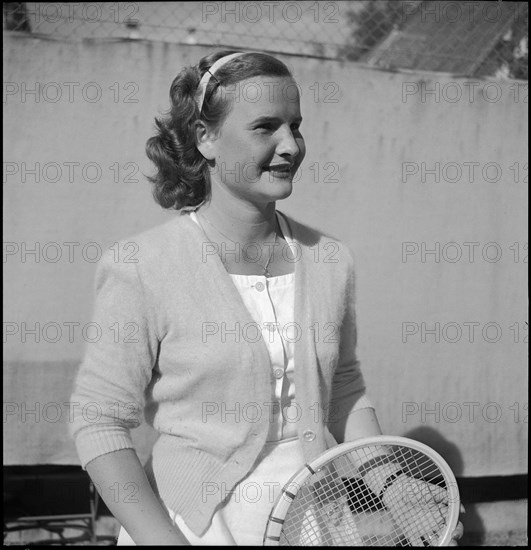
308	435
278	373
259	286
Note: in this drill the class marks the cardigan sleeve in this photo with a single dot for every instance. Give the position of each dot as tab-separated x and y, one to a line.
108	396
348	387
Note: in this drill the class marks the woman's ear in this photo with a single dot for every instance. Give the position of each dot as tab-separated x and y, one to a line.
205	141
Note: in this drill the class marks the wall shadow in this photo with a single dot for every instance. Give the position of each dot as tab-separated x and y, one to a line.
474	528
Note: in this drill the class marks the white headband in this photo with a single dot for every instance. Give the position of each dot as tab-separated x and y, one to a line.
210	73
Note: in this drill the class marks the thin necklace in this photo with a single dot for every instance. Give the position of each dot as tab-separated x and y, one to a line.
264	267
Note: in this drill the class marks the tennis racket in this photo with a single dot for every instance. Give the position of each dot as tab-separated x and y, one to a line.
376	491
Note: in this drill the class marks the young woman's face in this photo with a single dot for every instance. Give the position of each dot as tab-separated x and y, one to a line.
259	146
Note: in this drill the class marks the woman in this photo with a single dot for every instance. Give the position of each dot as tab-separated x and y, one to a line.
243	352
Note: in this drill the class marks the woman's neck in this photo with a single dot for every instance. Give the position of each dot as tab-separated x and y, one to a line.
238	219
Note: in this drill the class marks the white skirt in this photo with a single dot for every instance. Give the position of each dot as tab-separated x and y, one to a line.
242	520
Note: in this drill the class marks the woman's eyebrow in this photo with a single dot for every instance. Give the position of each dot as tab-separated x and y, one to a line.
271	120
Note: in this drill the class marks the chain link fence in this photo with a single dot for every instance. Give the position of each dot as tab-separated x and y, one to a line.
465	38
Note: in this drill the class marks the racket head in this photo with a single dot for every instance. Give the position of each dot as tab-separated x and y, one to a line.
327	502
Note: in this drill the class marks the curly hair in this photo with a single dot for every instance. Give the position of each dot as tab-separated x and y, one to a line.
182	178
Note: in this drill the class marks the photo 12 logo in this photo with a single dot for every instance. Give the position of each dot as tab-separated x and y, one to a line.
467	411
84	12
470	332
69	172
463	252
69	251
70	92
269	12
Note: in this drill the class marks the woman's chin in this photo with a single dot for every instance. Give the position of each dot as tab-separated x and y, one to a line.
278	188
282	192
286	194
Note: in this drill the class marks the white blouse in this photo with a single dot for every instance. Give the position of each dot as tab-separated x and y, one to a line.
271	303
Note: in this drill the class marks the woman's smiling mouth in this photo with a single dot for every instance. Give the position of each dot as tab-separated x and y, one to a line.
282	171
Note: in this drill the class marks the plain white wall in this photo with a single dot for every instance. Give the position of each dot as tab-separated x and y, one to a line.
476	391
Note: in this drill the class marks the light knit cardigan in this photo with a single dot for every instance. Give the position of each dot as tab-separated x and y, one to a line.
181	356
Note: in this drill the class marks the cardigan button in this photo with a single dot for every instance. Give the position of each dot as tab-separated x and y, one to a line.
278	373
308	435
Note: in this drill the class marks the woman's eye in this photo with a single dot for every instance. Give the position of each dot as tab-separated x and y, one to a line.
267	127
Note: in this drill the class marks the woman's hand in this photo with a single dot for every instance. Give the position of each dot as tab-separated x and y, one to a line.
458	531
419	509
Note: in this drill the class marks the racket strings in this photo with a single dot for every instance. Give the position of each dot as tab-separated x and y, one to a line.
335	506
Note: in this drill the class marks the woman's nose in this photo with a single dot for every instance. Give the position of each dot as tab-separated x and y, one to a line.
287	144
